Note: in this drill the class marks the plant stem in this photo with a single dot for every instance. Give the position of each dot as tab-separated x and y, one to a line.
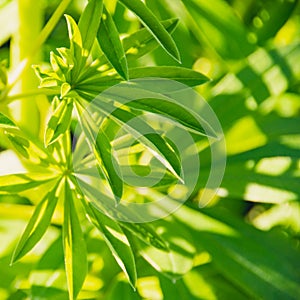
44	34
30	16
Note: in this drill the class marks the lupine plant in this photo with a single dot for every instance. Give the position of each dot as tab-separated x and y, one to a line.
101	124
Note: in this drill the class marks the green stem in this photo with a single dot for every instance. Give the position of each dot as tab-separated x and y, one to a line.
30	17
36	92
44	34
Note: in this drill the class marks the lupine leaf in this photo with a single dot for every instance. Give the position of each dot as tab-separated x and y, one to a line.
59	122
109	40
89	23
75	44
183	75
108	164
74	245
5	122
153	25
142	42
102	150
117	242
146	233
17	183
147	136
37	225
176	112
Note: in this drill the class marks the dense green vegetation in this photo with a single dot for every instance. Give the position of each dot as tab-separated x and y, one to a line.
113	182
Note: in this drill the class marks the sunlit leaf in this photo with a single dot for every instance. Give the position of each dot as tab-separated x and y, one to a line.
37	225
117	242
183	75
142	42
102	149
75	43
153	25
59	122
146	135
89	23
5	122
74	245
109	40
17	183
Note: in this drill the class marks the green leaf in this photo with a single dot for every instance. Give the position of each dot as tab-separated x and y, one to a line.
135	45
152	140
117	242
89	23
220	28
37	225
108	164
58	66
109	40
146	233
74	245
75	44
183	75
59	122
278	12
154	26
20	144
3	74
102	150
17	183
142	42
6	123
175	111
251	263
178	260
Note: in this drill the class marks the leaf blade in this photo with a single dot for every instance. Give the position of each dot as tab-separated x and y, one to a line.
37	225
59	122
186	76
89	23
74	245
117	242
154	26
110	43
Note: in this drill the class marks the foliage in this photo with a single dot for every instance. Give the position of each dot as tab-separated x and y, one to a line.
62	186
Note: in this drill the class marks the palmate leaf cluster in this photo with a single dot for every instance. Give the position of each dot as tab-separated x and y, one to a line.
193	254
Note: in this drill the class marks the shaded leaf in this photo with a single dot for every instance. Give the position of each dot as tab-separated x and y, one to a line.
250	263
220	28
